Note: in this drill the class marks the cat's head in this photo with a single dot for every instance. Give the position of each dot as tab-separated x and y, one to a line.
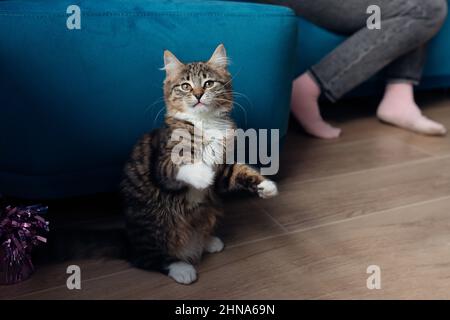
198	88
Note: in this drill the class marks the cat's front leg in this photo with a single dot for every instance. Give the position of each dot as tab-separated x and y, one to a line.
267	189
242	177
198	175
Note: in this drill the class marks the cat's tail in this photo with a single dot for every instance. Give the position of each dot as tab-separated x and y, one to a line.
64	244
71	243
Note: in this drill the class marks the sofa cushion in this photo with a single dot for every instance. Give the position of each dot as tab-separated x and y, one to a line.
74	101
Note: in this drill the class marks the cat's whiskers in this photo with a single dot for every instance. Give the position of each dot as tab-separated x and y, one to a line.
157	115
156	102
240	95
237	104
233	77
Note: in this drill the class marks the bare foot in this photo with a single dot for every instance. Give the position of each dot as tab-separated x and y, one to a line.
305	108
399	109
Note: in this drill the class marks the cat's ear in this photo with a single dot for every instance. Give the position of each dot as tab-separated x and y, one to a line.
219	57
171	63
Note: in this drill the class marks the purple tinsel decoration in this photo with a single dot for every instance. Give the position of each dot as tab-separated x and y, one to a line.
21	229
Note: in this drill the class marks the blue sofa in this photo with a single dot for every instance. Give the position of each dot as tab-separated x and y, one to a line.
74	101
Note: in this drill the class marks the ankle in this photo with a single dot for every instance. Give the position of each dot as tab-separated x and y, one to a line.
306	86
398	101
400	93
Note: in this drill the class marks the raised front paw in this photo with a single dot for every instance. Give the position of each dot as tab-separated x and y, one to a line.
198	175
267	189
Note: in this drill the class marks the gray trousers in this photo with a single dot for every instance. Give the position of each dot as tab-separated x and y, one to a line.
400	44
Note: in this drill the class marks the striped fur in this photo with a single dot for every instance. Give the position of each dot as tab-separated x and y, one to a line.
170	221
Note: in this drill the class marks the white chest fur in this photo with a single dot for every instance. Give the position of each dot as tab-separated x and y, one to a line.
215	133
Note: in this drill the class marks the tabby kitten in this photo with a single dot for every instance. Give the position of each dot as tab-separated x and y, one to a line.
172	208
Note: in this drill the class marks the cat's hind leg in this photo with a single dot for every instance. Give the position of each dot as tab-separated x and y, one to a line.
155	260
214	244
182	272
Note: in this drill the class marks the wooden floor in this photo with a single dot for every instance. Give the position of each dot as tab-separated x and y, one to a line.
377	196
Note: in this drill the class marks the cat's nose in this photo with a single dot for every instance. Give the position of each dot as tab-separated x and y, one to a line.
198	95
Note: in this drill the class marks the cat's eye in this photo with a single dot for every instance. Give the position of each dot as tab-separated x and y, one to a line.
186	86
208	84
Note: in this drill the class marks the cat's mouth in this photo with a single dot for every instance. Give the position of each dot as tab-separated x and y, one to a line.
198	107
199	104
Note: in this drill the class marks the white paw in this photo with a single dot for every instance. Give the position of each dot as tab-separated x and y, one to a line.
214	245
198	175
182	272
267	189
